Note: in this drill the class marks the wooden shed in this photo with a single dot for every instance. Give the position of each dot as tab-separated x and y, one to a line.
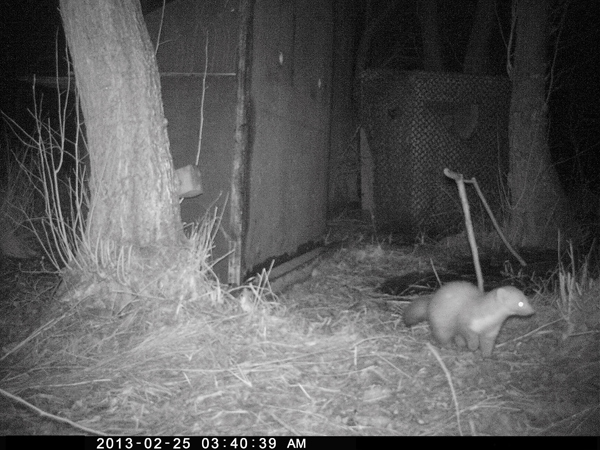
258	95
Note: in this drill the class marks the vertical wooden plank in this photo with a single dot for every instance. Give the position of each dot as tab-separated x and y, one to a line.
238	194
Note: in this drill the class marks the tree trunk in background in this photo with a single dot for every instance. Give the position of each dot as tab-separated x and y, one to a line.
477	57
134	201
373	25
537	202
432	48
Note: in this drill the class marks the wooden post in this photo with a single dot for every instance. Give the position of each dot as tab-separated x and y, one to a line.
239	183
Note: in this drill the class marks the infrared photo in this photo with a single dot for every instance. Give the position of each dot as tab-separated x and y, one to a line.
339	218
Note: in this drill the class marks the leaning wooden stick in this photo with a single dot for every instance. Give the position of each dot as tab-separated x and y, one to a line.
469	225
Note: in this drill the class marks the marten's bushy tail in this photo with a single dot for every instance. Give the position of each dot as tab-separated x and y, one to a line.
416	312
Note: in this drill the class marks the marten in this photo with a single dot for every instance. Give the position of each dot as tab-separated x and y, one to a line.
461	311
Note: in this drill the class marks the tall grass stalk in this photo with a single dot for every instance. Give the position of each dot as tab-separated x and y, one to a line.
17	203
60	230
573	283
55	168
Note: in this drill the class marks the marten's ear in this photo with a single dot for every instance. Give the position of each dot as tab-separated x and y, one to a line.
502	295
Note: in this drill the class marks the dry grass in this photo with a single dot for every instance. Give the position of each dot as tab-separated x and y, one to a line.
330	356
136	346
48	168
17	205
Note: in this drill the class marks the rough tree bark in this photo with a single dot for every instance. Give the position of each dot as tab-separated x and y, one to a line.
373	25
432	47
134	198
478	50
537	201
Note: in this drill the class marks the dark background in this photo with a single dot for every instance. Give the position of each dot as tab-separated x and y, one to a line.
31	37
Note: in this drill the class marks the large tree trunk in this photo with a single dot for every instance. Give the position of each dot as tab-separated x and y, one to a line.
432	47
478	50
134	200
537	201
373	25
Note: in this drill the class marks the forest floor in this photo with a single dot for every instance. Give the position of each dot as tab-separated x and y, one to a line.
327	356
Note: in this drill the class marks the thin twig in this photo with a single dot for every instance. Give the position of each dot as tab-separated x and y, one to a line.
49	415
518	338
162	17
32	336
200	132
449	378
473	181
460	182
